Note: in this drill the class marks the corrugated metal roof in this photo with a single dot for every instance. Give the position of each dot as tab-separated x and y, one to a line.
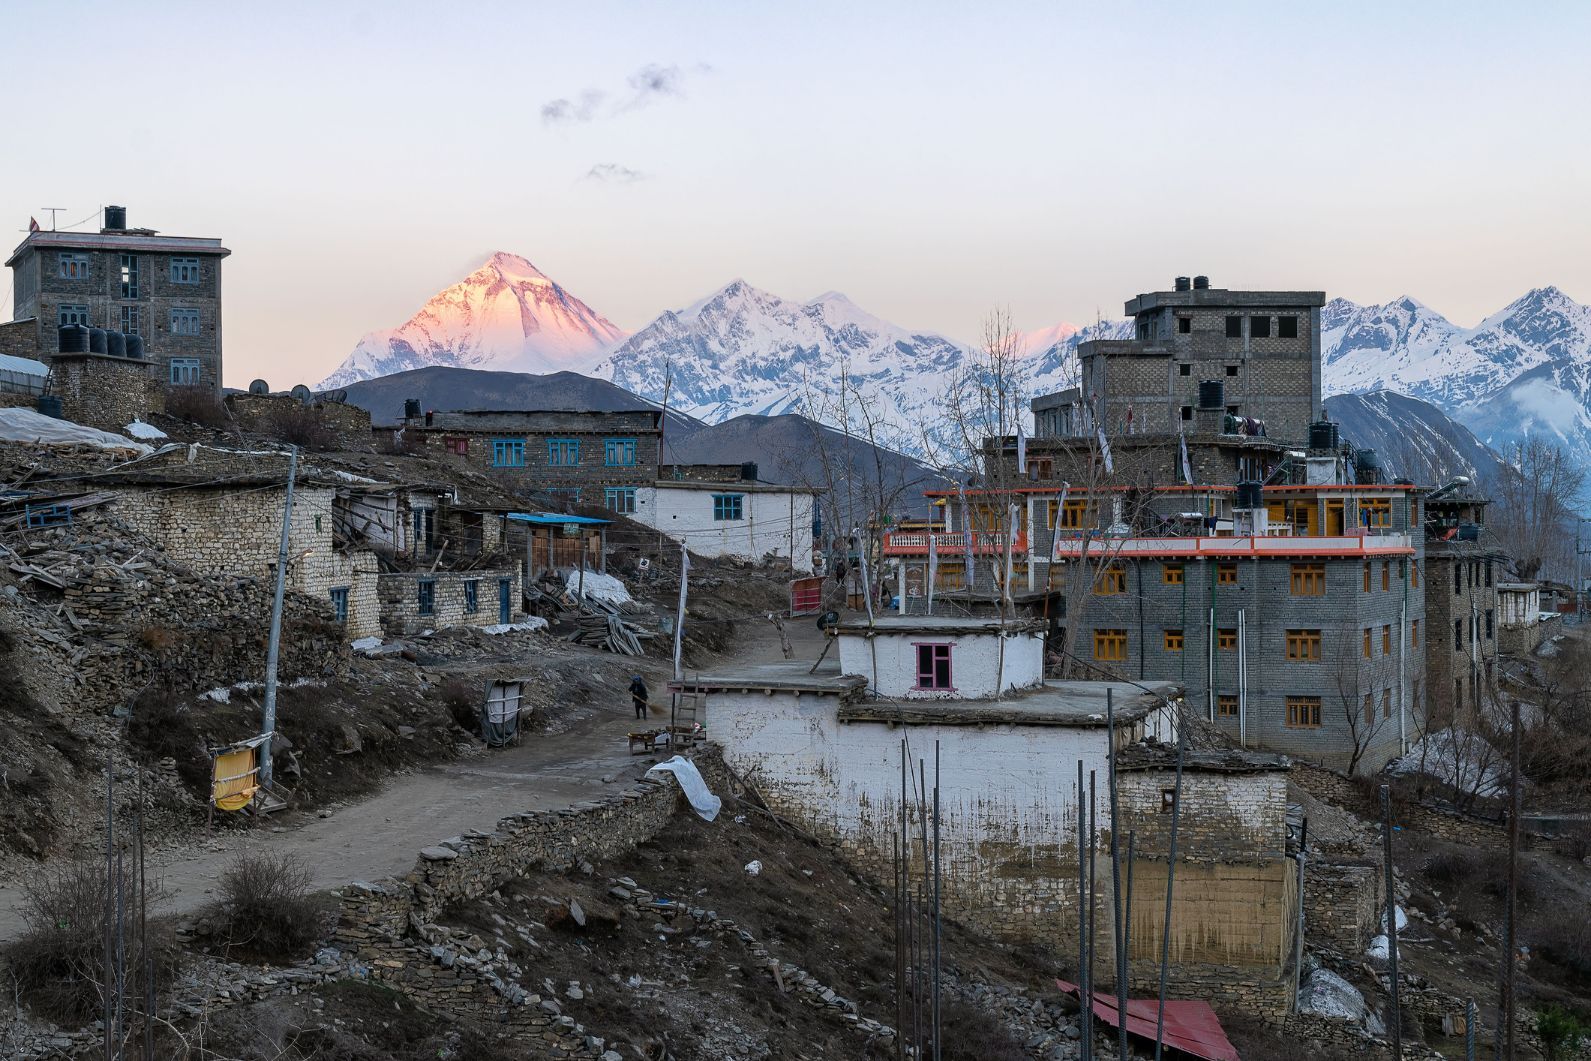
26	366
1190	1024
552	518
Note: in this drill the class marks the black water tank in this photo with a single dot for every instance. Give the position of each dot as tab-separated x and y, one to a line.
411	408
115	218
73	339
1183	284
50	405
1201	283
1212	394
1323	434
96	340
135	347
1248	495
748	472
116	344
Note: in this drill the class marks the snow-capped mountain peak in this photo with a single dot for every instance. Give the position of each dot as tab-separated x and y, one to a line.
506	315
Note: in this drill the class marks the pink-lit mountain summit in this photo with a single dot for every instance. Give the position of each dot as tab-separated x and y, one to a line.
506	315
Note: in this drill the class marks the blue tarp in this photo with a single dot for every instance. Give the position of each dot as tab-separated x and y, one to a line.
552	518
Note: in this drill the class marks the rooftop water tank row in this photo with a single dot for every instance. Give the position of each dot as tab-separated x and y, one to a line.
76	339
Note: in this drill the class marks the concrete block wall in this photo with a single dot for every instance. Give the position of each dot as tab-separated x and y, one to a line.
1263	593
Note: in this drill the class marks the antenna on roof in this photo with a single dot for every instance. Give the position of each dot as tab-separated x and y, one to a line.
52	211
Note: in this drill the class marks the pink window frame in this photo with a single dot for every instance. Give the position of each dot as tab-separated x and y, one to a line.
950	674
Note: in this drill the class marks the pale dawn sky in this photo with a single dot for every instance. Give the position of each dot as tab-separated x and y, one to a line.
929	160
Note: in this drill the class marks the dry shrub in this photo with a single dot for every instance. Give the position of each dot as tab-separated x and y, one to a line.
463	701
971	1034
160	728
267	912
197	405
301	426
59	962
158	638
1455	866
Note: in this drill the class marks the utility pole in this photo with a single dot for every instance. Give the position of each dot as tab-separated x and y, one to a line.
274	650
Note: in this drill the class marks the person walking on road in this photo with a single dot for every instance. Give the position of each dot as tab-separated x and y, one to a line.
639	695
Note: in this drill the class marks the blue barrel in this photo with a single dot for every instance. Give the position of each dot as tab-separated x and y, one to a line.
50	405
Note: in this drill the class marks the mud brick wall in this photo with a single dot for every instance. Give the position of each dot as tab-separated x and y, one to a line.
105	392
399	597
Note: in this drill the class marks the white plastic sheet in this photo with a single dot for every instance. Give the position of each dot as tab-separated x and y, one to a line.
25	425
693	785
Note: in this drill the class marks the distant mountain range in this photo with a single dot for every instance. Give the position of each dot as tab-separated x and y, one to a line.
743	351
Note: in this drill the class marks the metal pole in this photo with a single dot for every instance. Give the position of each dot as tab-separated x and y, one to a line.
145	957
1396	1021
273	650
900	963
1115	875
1082	914
1093	875
1298	929
1126	923
937	924
1471	1014
1510	922
1171	874
110	882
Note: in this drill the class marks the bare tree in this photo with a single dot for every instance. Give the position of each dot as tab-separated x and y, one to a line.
1366	683
1536	498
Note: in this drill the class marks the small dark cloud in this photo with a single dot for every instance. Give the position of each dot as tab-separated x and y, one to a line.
613	173
556	111
652	82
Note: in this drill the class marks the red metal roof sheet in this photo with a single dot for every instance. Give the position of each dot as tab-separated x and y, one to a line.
1190	1024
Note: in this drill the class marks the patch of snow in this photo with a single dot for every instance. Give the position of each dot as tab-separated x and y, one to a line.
139	429
1326	994
534	622
1380	949
350	477
1458	758
220	696
599	587
365	644
26	425
1403	919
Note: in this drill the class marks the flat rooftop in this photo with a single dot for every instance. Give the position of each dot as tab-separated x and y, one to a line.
1220	297
781	676
937	624
1056	703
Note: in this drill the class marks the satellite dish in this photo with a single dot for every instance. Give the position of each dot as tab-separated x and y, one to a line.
828	619
302	393
340	396
259	386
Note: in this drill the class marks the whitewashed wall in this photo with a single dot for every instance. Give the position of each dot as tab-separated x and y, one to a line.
773	522
1007	795
889	663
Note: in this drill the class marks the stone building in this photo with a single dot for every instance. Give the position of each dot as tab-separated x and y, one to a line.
412	602
104	391
1463	566
1198	355
826	746
1521	624
585	457
165	289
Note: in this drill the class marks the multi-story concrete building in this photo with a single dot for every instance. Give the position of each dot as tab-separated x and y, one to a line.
1198	355
164	289
1233	544
590	458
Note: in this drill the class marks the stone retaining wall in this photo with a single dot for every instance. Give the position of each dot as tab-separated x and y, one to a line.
384	925
1342	905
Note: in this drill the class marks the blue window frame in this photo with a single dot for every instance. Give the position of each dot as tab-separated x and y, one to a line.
425	596
618	452
185	270
563	452
339	603
72	313
508	453
72	266
472	596
620	499
184	321
129	276
184	371
728	506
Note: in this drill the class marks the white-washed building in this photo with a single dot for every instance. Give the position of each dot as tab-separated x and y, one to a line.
750	520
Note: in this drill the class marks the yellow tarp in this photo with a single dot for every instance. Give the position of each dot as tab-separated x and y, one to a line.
235	779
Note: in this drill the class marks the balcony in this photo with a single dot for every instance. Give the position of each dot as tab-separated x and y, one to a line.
950	545
1237	548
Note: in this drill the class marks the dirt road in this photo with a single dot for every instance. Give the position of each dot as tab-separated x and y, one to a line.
381	835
